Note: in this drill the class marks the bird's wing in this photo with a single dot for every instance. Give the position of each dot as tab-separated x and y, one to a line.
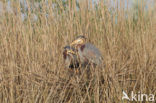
92	53
89	53
92	50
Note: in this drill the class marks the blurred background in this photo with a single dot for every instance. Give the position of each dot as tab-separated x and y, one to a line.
36	5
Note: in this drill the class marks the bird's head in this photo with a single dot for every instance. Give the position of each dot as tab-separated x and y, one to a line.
80	40
68	51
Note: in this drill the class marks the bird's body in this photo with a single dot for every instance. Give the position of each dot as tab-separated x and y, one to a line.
87	52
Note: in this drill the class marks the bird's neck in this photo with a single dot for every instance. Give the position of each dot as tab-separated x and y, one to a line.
81	47
64	54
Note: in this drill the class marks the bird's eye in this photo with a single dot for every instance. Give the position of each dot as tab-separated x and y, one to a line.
79	41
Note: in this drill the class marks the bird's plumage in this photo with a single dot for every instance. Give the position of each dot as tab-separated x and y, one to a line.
89	53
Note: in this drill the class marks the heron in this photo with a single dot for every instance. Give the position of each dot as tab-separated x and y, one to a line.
87	52
70	58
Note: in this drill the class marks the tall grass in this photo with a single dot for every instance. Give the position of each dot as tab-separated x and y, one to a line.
31	63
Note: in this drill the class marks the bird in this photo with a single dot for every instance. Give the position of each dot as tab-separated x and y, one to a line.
70	58
87	52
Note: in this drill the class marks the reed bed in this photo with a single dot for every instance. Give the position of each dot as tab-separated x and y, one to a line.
31	62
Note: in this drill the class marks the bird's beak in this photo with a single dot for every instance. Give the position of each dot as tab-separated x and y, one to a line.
76	42
71	51
73	43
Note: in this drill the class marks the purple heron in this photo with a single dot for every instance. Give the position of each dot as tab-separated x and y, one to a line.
87	52
70	58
